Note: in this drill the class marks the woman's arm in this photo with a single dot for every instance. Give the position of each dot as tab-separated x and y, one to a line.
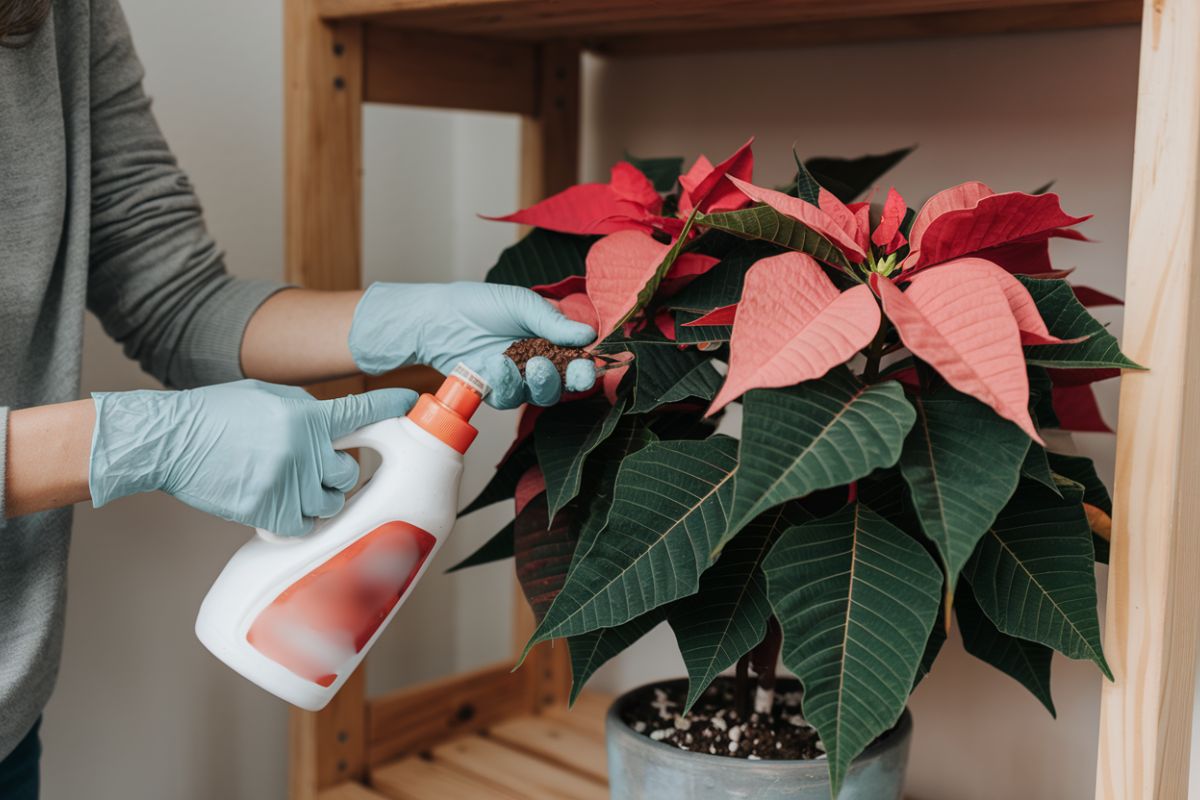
300	336
159	286
157	280
246	451
47	459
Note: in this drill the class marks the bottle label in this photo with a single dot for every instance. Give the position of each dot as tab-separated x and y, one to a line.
318	625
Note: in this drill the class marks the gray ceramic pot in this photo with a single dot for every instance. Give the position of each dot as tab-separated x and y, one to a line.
640	768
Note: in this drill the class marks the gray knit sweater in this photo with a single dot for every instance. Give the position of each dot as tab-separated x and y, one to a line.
94	212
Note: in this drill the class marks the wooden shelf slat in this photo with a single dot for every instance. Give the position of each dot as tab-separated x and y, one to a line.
415	778
635	25
556	743
555	755
489	761
1057	16
587	715
350	791
412	720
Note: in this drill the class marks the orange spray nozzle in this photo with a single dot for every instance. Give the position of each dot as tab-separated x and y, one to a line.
446	414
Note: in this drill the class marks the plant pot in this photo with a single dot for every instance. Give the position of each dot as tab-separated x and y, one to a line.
639	767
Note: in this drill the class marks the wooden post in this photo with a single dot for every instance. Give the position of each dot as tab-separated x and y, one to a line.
1153	601
323	72
549	164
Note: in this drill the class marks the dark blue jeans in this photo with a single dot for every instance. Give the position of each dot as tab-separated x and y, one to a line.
19	771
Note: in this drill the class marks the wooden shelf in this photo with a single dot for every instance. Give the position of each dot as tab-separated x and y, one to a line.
503	734
639	26
554	755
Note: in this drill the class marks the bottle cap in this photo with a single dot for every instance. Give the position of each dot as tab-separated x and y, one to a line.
445	414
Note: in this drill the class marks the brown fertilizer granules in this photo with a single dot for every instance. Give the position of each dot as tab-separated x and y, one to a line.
522	350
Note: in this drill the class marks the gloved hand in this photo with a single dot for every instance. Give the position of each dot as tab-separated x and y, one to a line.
441	324
250	452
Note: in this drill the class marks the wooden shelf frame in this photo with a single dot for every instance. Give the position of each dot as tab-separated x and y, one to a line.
523	57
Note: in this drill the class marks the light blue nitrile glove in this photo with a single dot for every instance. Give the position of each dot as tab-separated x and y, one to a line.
441	324
249	451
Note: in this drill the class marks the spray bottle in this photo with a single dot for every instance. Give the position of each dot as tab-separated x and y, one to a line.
297	615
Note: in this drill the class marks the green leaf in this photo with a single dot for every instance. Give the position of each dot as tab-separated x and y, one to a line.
856	598
658	370
1027	662
590	651
497	548
1083	472
961	462
887	494
630	436
701	382
807	187
847	178
1066	318
1033	574
1036	467
669	505
817	435
933	646
767	224
564	437
728	616
541	257
1041	398
663	171
681	423
503	483
722	285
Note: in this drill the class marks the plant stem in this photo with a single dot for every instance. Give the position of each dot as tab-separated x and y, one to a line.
875	354
765	658
741	688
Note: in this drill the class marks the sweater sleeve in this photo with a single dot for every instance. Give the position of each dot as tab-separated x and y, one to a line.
156	279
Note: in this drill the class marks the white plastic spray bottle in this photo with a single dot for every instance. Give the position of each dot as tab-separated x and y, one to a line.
297	615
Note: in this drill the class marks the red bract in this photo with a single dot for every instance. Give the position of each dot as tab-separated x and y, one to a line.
1029	320
627	202
708	188
1074	401
529	486
619	269
793	325
956	198
687	267
560	289
664	320
579	308
1091	298
960	320
887	233
1077	410
970	219
725	315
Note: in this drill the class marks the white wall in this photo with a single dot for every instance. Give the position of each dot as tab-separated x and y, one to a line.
142	711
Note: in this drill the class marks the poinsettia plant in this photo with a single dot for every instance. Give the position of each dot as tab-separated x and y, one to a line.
896	369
